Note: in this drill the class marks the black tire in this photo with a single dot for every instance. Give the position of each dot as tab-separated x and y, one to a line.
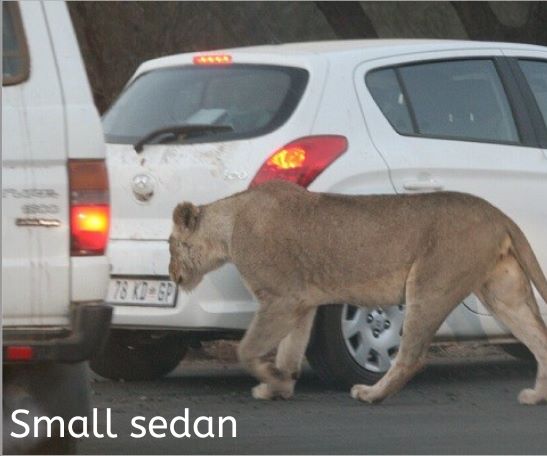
519	351
48	389
328	354
138	355
57	445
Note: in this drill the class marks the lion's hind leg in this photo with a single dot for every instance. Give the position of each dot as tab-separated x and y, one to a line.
428	303
509	295
292	348
417	335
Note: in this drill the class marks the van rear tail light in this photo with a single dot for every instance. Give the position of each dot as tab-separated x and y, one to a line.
301	161
89	207
18	353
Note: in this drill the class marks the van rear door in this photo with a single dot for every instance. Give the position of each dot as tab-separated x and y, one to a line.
35	228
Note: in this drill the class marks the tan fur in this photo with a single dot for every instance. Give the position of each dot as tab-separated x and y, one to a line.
297	250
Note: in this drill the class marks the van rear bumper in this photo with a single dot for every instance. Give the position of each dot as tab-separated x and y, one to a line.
90	326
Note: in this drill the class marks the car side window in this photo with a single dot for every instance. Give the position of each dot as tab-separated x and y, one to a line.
387	94
458	99
15	58
535	72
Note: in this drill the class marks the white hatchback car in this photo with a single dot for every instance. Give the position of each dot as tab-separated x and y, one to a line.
352	117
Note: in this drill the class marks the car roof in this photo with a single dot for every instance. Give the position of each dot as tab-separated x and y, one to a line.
394	46
367	48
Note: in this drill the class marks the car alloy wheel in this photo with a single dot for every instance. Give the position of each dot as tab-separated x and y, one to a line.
372	336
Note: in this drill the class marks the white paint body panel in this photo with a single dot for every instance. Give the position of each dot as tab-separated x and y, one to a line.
513	178
221	301
331	104
44	120
84	131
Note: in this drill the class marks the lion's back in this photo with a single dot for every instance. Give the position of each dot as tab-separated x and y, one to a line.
287	236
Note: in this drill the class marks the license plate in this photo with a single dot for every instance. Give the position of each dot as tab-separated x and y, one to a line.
142	292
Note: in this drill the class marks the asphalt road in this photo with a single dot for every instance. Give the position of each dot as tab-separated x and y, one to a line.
455	406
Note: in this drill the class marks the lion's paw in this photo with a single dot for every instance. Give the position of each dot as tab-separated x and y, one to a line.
362	393
266	392
530	396
262	391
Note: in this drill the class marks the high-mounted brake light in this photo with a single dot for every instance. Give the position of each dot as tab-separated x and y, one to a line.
89	207
301	161
212	59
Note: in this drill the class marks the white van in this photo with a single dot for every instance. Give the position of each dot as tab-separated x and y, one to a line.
351	117
55	220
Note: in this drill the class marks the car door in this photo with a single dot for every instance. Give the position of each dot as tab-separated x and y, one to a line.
35	231
530	69
446	121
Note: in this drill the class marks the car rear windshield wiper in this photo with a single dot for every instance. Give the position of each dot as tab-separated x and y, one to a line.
179	130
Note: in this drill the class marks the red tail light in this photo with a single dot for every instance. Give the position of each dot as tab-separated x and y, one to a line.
89	207
18	353
301	161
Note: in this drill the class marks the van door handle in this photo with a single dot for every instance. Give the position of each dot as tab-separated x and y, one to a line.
423	186
38	222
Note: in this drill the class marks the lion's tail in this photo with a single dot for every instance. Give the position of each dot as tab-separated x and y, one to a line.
527	260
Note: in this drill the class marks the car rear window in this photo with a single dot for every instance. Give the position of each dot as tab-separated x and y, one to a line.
252	99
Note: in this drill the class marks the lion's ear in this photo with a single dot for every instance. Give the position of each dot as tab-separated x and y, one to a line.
186	215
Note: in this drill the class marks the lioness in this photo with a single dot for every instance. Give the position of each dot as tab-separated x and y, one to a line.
297	250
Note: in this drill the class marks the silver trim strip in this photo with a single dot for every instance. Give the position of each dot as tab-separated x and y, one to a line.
38	222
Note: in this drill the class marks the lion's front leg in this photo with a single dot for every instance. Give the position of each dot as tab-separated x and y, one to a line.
268	328
290	354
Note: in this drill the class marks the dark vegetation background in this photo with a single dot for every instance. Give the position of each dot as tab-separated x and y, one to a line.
115	37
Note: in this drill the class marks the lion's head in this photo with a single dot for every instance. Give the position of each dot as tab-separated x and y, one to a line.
194	249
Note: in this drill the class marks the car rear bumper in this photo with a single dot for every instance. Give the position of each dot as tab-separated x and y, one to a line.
90	326
220	302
